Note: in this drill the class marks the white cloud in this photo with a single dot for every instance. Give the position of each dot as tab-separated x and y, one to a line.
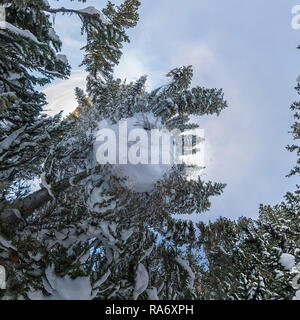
198	55
136	63
61	97
131	67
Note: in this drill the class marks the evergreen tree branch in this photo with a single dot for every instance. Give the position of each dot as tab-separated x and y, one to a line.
23	208
66	10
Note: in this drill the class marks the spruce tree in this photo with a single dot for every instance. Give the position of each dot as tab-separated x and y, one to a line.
29	59
132	235
87	233
261	258
88	228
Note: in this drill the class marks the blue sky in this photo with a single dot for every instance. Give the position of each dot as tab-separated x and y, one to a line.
248	48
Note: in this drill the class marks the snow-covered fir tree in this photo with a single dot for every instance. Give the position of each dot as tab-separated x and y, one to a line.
256	259
253	260
268	256
107	231
29	57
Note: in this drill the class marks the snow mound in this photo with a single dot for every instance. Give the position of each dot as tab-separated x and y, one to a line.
2	278
140	172
53	35
64	288
287	261
142	150
94	11
152	294
90	10
141	281
297	296
63	58
20	32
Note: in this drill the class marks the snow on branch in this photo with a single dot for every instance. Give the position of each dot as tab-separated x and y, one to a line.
89	11
23	33
141	281
64	288
6	143
188	269
35	200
